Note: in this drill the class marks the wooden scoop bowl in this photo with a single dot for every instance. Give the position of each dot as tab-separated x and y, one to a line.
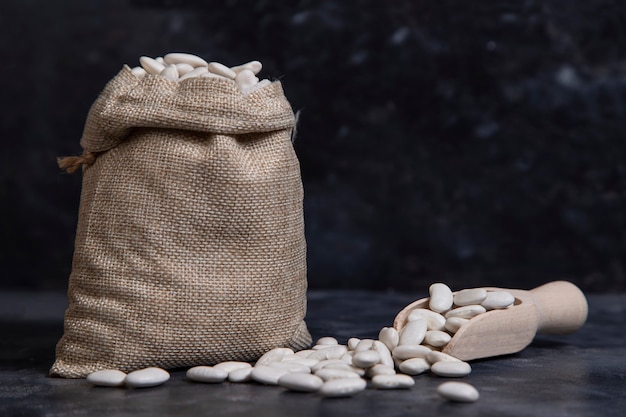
558	307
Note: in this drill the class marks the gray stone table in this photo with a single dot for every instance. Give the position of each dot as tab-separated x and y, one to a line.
583	374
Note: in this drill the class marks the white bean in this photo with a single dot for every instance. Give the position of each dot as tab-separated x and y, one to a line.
148	377
470	296
301	382
170	73
413	333
458	391
380	369
240	375
411	351
347	357
107	378
207	374
466	312
366	358
183	58
212	75
328	362
347	367
328	374
327	341
437	338
364	344
254	66
353	342
435	356
267	375
274	355
434	320
342	387
290	366
498	299
397	381
318	347
383	351
414	366
221	69
138	72
389	336
453	324
230	366
301	361
330	352
150	65
451	368
397	362
245	79
195	73
441	298
184	69
304	353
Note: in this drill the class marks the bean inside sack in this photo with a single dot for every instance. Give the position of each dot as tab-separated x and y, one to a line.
181	66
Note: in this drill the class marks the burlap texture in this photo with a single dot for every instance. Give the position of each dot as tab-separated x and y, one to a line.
190	244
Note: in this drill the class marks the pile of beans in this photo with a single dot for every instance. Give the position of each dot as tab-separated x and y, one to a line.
181	66
447	313
336	370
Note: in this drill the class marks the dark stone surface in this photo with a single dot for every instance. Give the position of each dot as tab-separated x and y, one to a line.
474	143
576	375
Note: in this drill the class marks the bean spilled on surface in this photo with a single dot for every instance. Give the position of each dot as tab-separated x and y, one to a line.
142	378
147	378
332	369
107	378
458	391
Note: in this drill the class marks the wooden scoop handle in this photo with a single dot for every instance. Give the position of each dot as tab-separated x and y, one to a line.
561	307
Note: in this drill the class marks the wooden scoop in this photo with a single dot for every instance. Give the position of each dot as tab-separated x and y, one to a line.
557	307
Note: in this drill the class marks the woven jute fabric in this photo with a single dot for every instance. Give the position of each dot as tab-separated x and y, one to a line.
190	244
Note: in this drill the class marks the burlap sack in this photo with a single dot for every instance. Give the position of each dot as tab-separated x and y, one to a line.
190	244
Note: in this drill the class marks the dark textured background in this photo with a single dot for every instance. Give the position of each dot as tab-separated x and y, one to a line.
469	142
